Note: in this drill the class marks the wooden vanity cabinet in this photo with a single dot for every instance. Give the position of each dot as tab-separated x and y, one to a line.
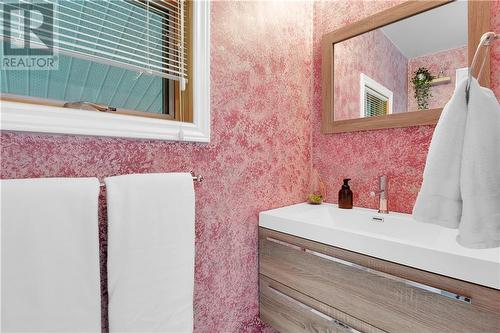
307	286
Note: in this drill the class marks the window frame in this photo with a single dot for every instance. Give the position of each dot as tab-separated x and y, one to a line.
195	126
183	111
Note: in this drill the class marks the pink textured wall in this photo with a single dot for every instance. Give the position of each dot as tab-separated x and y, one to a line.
259	156
449	61
363	156
495	48
372	54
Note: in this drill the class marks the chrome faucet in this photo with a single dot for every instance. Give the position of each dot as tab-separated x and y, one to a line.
382	192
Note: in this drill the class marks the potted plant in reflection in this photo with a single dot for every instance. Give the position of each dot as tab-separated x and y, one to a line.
421	80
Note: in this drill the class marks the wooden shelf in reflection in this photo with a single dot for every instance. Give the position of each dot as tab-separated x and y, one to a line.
441	80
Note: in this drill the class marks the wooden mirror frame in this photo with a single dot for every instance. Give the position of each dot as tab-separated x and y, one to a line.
478	23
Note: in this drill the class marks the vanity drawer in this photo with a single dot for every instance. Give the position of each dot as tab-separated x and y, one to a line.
389	296
292	312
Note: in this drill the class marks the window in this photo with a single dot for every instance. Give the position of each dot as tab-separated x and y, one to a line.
121	56
375	99
375	103
131	31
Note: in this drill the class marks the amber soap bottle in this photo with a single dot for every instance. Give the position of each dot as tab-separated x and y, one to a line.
345	195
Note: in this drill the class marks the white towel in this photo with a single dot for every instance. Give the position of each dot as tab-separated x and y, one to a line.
151	252
480	174
461	187
50	255
439	200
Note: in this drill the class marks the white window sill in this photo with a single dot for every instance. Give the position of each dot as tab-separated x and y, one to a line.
27	117
17	116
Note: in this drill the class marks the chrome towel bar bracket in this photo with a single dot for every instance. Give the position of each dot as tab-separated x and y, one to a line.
196	178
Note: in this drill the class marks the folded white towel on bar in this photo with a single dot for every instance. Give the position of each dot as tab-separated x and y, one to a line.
461	187
480	174
440	200
151	252
50	255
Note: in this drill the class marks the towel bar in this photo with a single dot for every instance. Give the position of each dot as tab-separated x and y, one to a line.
198	179
486	40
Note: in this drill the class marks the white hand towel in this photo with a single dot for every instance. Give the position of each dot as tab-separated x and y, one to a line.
50	255
439	200
151	252
480	173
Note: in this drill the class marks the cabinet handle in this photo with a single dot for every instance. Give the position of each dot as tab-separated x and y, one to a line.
445	293
336	322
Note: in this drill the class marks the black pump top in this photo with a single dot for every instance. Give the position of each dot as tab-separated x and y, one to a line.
346	182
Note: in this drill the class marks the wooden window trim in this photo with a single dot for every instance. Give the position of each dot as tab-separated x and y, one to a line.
183	100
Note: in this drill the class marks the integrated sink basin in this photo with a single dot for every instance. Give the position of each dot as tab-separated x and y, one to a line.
393	237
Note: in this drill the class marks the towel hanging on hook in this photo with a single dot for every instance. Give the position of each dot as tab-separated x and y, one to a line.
485	40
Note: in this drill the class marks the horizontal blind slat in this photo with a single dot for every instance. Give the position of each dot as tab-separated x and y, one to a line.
170	72
375	104
137	57
138	46
161	4
141	35
173	26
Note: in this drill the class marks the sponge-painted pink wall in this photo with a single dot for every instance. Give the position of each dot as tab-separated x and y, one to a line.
263	108
449	61
495	48
374	55
363	156
259	156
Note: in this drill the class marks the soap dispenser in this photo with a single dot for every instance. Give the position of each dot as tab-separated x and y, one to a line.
345	195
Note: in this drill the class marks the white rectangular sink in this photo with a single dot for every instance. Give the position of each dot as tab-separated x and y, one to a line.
398	238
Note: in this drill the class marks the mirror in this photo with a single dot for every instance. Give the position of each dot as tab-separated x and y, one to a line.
398	67
405	66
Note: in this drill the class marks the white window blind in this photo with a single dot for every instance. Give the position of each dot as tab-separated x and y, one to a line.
107	32
375	99
375	103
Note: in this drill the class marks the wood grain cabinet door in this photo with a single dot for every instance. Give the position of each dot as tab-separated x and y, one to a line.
385	301
292	312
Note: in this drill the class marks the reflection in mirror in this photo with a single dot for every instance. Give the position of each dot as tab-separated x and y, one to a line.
406	66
